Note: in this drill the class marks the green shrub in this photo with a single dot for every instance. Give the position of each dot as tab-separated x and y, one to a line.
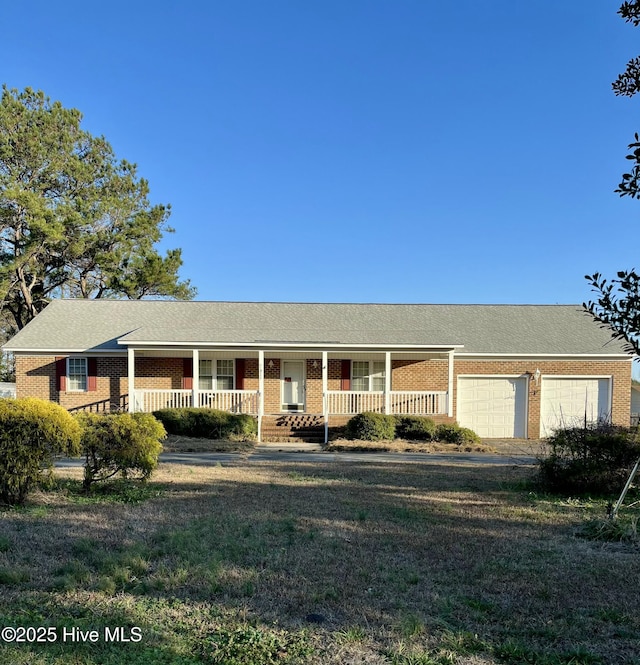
416	428
595	458
467	436
31	432
119	443
250	645
207	423
371	426
453	433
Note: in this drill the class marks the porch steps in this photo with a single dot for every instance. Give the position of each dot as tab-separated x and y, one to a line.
293	428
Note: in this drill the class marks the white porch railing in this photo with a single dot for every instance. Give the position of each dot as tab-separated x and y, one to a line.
338	402
350	402
418	403
234	401
154	400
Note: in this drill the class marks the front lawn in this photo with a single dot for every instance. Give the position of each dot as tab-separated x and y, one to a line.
288	562
403	446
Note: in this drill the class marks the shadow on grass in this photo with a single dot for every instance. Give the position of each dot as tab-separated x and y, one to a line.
404	552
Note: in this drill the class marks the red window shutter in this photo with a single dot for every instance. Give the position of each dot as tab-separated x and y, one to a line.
240	365
345	375
61	373
187	374
92	374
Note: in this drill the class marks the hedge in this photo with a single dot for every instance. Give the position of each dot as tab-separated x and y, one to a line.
415	428
453	433
370	426
207	423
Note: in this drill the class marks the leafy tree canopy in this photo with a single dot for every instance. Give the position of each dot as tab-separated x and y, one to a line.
618	306
627	85
617	302
74	220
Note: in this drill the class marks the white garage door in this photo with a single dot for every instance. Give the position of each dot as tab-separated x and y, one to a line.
493	407
566	402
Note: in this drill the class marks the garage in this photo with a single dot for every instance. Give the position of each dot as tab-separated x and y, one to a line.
494	407
565	401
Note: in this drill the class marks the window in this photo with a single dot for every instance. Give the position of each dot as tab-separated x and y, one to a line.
77	374
205	382
221	380
367	375
377	375
224	374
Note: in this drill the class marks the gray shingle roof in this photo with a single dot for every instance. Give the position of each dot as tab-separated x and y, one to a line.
67	325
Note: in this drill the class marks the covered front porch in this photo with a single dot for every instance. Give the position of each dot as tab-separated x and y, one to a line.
332	384
338	403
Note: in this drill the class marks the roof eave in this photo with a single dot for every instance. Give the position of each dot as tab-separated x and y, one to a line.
286	345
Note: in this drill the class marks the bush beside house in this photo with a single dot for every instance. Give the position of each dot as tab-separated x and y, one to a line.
371	426
595	458
32	431
121	443
207	423
415	428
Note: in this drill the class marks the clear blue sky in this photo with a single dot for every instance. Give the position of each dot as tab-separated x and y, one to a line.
358	150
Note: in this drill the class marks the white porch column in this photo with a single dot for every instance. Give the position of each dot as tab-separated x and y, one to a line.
325	400
450	387
195	399
387	382
260	393
131	378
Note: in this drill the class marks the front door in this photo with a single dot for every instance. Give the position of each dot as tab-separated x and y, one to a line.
292	385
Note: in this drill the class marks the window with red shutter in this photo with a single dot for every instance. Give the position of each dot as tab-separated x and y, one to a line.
345	376
61	374
187	374
240	370
92	374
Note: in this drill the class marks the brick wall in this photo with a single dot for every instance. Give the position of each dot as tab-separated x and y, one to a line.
272	386
314	386
36	376
159	373
251	378
419	374
334	374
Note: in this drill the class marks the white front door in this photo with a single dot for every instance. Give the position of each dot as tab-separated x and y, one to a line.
292	385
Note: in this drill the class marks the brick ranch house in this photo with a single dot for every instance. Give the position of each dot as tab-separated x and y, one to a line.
502	370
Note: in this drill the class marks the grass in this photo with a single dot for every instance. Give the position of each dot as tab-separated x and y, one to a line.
402	446
289	562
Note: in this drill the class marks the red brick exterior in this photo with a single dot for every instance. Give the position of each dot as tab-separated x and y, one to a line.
36	376
314	386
